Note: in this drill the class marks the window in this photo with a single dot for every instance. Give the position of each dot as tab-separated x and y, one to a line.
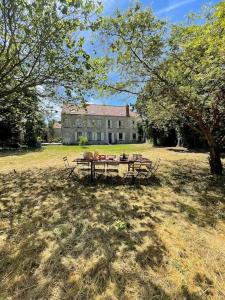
134	136
98	136
109	123
89	123
133	124
120	136
120	123
78	121
73	123
79	134
84	123
99	123
89	136
66	123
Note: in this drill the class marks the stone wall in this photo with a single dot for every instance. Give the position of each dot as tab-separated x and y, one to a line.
99	129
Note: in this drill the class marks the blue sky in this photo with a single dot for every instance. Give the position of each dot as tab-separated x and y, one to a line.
173	11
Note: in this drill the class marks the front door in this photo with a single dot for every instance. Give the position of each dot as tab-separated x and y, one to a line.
110	137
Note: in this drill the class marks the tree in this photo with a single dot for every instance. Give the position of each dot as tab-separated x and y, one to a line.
41	44
42	52
51	130
179	73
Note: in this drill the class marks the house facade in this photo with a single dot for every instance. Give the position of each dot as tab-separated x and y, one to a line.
101	124
57	130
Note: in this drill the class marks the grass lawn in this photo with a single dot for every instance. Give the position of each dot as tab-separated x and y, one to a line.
69	239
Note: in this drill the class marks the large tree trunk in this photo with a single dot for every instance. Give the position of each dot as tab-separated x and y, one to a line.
215	161
180	141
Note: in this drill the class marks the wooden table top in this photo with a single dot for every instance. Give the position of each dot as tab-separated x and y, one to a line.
144	160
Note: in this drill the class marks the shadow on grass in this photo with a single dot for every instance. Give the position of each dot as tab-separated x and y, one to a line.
63	239
184	150
20	151
207	191
71	239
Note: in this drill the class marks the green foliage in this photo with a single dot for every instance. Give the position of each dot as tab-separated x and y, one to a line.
30	137
42	50
39	41
34	131
83	140
177	74
126	35
51	130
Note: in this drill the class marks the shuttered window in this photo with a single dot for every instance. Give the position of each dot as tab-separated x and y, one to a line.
89	136
99	123
120	136
120	124
98	136
109	123
79	134
94	136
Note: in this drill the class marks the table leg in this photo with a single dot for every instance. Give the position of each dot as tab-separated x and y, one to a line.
92	171
130	166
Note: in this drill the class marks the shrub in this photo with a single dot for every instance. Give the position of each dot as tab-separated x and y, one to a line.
83	141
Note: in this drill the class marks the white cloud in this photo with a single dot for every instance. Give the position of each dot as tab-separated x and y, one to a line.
174	6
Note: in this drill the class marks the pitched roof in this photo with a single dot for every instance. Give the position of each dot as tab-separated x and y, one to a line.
57	125
98	110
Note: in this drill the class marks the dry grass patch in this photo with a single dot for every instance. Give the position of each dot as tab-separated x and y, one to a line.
159	239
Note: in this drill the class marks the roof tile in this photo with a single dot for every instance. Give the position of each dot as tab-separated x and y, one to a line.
97	110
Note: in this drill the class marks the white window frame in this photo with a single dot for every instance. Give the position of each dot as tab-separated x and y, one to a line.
94	136
120	124
79	135
120	133
99	136
89	136
99	123
109	124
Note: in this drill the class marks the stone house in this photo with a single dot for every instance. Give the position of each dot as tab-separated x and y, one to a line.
57	130
101	124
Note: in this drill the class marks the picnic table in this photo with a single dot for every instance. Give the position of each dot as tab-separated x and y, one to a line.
129	162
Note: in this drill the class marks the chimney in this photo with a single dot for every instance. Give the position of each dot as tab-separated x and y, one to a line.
127	110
